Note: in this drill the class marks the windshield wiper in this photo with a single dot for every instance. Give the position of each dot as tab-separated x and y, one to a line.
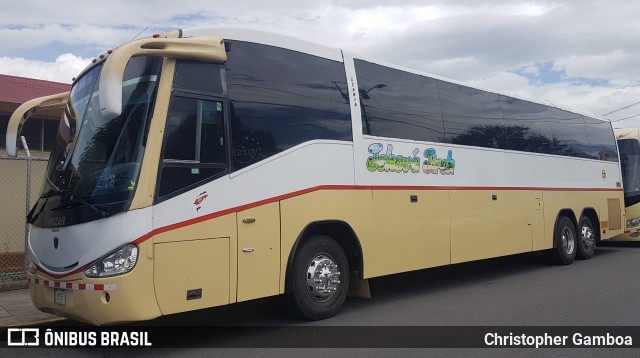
101	212
72	203
48	194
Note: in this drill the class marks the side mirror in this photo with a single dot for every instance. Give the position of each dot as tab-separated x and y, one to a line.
25	111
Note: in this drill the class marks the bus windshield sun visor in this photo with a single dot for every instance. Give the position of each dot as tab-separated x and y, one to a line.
26	110
205	48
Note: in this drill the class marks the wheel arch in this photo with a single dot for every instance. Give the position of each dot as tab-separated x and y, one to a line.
338	230
569	214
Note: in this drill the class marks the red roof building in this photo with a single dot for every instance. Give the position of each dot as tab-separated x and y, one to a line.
20	89
40	130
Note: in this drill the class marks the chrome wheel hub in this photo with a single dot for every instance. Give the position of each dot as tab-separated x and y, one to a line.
588	237
323	277
568	241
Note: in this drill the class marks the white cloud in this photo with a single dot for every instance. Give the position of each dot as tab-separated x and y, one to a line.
479	41
531	70
620	67
63	69
93	36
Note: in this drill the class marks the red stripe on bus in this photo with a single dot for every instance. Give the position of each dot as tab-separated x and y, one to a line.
236	209
210	216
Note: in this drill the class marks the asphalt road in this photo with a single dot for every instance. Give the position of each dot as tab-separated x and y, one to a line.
517	290
510	291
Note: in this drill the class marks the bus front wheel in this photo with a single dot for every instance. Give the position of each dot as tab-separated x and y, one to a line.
320	279
586	239
565	242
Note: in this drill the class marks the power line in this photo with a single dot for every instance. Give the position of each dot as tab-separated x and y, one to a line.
622	108
622	119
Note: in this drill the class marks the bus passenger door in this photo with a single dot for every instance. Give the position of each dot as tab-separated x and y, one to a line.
258	252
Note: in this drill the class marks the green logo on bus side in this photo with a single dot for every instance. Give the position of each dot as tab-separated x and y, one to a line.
389	162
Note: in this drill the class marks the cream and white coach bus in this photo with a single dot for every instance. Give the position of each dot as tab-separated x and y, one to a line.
629	148
209	166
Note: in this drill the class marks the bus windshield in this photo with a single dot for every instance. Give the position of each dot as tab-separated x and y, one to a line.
95	175
630	163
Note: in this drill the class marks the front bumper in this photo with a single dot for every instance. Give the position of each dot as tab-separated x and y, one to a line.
110	300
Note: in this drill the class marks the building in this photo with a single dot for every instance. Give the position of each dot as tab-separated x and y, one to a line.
39	132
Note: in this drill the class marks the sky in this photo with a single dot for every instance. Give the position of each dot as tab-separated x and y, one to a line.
583	54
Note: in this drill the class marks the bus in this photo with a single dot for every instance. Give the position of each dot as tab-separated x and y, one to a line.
629	148
208	166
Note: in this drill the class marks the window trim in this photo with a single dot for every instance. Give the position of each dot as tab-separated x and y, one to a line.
175	163
548	122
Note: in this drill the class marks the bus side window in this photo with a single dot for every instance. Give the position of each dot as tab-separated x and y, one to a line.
279	98
194	148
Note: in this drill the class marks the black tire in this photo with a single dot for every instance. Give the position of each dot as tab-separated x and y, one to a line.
564	242
586	239
319	300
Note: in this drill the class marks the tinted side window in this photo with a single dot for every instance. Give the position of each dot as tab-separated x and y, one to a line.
630	165
527	126
471	116
629	146
196	76
398	104
195	145
280	98
569	133
602	142
195	129
194	148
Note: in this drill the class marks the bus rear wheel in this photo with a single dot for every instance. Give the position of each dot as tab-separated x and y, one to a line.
586	239
565	241
320	279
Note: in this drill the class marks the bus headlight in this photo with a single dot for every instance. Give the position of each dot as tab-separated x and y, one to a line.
633	223
117	263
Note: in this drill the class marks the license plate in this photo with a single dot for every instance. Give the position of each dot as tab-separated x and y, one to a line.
60	296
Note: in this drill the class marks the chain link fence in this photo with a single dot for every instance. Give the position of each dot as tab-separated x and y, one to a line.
20	179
